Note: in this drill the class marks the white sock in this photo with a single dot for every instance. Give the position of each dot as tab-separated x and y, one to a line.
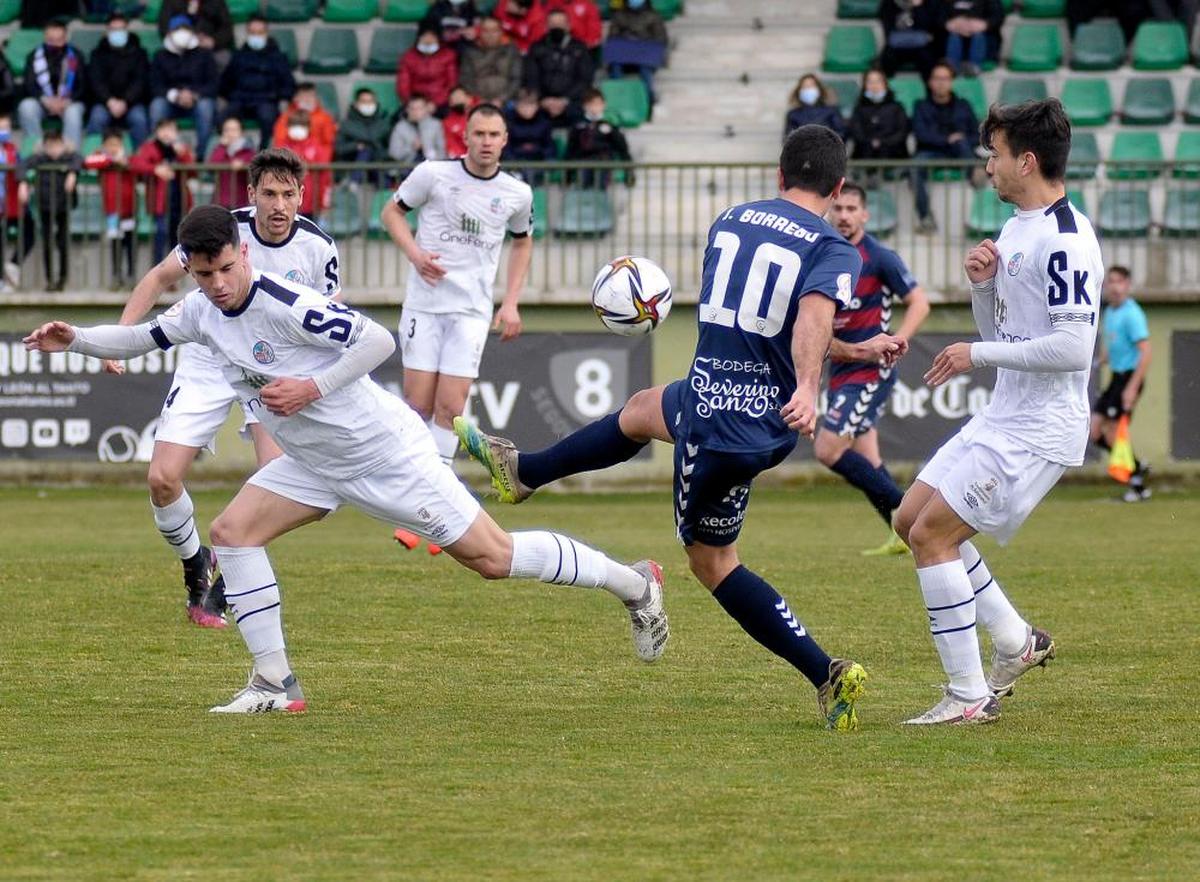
446	441
560	560
177	523
253	596
950	602
1009	632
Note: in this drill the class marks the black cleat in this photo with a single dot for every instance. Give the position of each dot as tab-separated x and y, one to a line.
206	597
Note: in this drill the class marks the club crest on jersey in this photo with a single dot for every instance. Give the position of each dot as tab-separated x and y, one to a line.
263	353
294	276
497	206
1014	263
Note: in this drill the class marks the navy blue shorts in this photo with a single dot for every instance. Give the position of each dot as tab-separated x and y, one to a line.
854	408
712	487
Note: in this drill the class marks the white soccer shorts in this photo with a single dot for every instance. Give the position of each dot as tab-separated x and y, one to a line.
990	481
448	343
199	401
416	491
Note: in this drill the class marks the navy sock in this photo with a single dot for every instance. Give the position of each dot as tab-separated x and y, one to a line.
766	617
876	484
597	445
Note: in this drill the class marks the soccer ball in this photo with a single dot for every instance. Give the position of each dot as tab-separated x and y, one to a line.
632	295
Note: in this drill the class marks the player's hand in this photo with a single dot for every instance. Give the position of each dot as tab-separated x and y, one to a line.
112	366
286	396
507	322
955	359
428	268
50	337
884	349
982	261
800	413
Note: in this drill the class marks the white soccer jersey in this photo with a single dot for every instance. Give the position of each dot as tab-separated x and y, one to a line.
1049	275
287	330
463	219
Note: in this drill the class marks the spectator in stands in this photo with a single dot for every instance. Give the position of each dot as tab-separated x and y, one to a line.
559	68
454	124
428	69
55	166
971	28
530	135
183	79
17	220
321	123
8	89
523	20
363	134
946	128
212	22
55	84
878	126
584	15
595	139
913	34
318	185
236	150
454	21
117	187
491	68
159	161
418	135
638	21
257	79
118	75
813	102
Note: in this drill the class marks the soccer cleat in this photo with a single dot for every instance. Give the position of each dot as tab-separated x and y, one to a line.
647	616
206	597
498	456
845	686
894	546
955	711
1039	649
260	696
407	539
1136	494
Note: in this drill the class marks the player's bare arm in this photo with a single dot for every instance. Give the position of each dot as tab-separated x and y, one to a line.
810	342
145	296
883	349
1133	389
425	262
508	317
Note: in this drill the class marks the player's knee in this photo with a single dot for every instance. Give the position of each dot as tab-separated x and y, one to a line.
222	531
902	522
711	569
637	416
921	535
827	451
165	485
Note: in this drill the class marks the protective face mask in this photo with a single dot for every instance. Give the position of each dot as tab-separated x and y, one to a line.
118	39
635	4
184	40
809	95
594	117
427	48
873	95
256	42
297	133
5	137
366	109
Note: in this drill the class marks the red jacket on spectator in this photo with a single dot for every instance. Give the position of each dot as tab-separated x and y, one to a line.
524	30
117	185
430	75
318	185
320	123
454	126
12	204
143	163
231	185
585	20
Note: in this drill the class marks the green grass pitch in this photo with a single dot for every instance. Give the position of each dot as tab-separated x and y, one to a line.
469	730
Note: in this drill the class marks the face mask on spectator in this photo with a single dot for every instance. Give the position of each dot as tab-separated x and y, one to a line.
427	48
118	39
5	136
809	95
875	95
366	108
592	116
635	4
257	41
183	40
556	35
297	133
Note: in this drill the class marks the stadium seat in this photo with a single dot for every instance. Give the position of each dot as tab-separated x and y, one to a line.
908	91
1015	90
387	45
847	91
1130	148
328	93
988	214
857	8
849	48
1098	45
1182	214
150	39
9	10
385	94
332	51
87	218
20	43
1187	155
628	105
285	39
1148	102
584	213
1035	47
350	11
668	9
1160	45
153	8
345	218
1124	213
241	10
1084	156
291	10
1088	101
405	10
883	215
970	89
540	207
86	39
1077	199
1191	107
1043	8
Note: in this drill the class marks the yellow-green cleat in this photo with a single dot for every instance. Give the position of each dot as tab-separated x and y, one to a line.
498	456
838	695
894	546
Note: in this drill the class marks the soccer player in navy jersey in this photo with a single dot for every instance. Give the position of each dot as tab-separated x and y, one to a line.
774	275
862	357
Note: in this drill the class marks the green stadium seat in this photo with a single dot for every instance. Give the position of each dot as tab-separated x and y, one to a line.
150	39
540	207
883	216
1130	148
1182	214
332	51
1088	101
387	45
1035	47
20	43
291	10
350	11
328	93
628	105
87	218
847	91
1084	156
1148	102
385	94
1015	90
849	48
345	216
908	91
988	214
241	10
970	89
1160	45
86	39
668	9
1187	155
1076	198
405	10
9	10
1124	213
855	8
584	213
1098	45
1191	106
561	137
285	38
153	8
1043	8
375	228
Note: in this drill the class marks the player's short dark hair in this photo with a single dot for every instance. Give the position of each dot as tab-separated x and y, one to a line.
1122	271
206	230
278	162
855	189
1038	127
485	109
813	159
